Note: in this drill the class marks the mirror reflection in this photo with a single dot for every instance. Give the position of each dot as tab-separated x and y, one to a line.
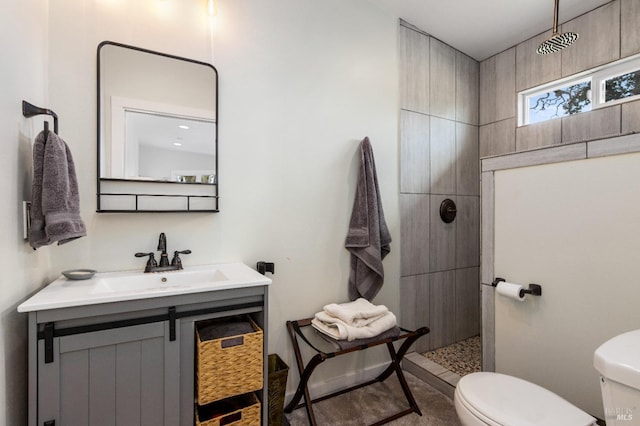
169	148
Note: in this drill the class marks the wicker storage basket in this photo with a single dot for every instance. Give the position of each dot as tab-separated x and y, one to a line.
243	410
277	384
230	365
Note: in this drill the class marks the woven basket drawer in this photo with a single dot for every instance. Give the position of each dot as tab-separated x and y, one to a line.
231	365
243	410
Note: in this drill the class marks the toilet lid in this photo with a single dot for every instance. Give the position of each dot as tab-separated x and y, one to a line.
508	400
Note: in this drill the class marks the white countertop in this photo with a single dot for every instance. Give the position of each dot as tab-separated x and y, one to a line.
110	287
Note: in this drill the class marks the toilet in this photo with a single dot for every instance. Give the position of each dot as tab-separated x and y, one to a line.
618	362
499	400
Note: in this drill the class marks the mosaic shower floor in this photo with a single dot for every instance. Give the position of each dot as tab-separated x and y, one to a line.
462	357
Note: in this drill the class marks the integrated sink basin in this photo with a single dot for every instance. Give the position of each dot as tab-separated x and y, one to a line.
121	286
158	281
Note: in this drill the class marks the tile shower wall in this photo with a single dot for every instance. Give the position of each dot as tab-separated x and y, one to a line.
439	160
608	33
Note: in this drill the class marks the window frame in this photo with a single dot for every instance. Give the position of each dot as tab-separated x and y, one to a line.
598	77
612	72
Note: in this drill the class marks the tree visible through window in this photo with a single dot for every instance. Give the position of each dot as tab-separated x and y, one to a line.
622	86
560	102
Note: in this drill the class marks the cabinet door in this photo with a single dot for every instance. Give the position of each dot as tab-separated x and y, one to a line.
123	376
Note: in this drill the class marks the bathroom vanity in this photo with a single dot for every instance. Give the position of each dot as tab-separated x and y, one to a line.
120	346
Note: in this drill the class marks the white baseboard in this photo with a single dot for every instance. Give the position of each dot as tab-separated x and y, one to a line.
318	389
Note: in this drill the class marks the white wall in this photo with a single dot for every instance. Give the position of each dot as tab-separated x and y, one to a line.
23	48
573	228
301	83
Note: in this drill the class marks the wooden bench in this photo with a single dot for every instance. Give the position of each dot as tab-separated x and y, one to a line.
324	349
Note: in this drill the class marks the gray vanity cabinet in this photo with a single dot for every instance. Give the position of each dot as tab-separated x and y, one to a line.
111	377
126	363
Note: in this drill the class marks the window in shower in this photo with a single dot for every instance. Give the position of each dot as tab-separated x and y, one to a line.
559	101
622	86
603	86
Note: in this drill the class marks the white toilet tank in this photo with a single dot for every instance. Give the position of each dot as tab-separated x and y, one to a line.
618	361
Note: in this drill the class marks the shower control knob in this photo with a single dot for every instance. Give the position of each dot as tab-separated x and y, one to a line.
448	211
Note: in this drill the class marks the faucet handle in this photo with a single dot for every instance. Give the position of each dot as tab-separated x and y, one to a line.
150	263
176	261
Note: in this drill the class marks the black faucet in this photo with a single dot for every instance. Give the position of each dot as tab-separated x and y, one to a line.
162	247
152	265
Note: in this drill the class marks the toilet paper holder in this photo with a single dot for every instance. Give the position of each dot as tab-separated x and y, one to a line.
534	289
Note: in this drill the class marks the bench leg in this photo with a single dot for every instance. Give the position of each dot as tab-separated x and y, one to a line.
402	352
395	364
303	389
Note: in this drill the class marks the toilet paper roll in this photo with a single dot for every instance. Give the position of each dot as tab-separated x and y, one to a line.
510	290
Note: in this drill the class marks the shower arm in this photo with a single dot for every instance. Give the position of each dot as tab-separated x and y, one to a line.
555	17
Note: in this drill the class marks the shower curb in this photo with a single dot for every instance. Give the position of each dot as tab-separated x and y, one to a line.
431	373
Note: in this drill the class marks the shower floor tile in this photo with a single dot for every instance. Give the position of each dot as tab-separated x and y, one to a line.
461	358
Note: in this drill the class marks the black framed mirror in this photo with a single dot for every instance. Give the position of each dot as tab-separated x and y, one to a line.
157	131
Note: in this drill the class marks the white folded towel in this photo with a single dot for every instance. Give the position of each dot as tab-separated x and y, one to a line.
358	313
338	329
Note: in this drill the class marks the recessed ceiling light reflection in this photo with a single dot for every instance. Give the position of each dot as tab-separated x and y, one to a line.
177	144
182	126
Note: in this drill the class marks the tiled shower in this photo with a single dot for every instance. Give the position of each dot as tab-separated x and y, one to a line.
439	160
454	111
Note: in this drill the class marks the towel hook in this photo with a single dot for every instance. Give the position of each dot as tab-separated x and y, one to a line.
30	110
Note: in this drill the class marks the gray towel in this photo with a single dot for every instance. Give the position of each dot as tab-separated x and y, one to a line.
55	202
368	238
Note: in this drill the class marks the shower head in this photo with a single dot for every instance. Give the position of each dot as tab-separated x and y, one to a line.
557	41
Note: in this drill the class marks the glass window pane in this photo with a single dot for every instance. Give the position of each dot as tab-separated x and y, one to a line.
622	86
560	102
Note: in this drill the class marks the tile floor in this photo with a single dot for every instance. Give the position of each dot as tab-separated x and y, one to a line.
366	405
436	375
